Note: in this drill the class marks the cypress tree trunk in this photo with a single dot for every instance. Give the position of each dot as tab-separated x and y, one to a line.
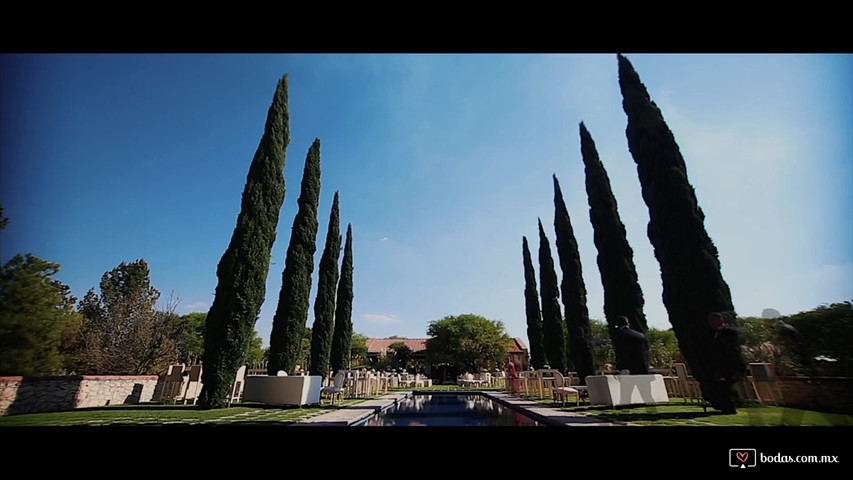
693	285
342	336
622	293
292	311
553	328
573	289
324	305
243	270
534	316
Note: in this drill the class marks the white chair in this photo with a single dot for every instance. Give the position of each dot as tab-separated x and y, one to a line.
237	389
336	390
562	389
172	383
195	382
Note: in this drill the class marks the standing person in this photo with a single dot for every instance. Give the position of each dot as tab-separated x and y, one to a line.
513	376
636	348
730	365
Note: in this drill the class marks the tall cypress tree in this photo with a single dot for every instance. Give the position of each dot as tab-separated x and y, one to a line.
243	270
573	289
324	304
622	293
693	285
553	328
534	316
342	336
292	311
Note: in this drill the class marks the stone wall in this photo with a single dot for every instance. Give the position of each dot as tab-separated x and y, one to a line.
50	394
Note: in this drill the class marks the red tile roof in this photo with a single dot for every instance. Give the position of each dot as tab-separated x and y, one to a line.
376	345
517	346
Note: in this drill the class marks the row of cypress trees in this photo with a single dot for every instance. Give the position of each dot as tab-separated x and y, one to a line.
243	270
693	285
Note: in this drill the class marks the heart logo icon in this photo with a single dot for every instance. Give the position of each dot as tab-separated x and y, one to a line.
742	456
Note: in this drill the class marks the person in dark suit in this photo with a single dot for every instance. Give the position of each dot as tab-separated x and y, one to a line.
726	348
636	357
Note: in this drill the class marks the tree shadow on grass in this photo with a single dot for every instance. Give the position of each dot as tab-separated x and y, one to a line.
663	417
647	414
158	407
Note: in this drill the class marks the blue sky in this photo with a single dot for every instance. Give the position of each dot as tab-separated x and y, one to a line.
443	163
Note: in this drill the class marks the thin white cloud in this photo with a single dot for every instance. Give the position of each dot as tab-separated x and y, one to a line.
383	239
381	318
197	306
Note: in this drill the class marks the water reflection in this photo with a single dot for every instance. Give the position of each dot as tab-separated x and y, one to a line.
450	410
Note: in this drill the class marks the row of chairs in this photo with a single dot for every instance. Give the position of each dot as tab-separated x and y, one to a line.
485	379
181	384
761	384
547	383
357	383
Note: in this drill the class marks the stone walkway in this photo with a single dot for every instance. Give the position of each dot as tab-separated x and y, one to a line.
547	414
541	413
355	413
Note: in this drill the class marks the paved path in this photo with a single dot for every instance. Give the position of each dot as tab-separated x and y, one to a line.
355	413
542	413
548	414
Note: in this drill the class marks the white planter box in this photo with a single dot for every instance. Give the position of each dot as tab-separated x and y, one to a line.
619	390
294	390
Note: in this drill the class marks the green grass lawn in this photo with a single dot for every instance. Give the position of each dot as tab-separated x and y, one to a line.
675	413
678	413
156	414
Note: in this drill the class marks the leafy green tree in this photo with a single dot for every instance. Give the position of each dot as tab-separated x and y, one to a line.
822	332
401	355
3	220
256	352
342	354
531	304
124	333
663	347
190	337
603	352
324	305
693	285
292	311
470	342
622	293
553	327
793	342
243	269
573	289
358	349
36	314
